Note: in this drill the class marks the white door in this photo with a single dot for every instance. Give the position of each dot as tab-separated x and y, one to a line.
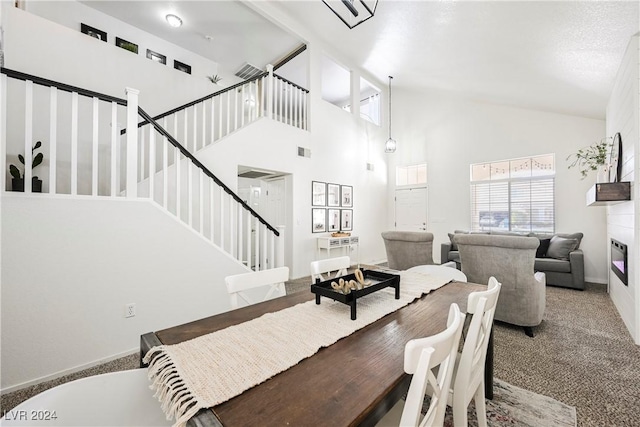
276	202
411	209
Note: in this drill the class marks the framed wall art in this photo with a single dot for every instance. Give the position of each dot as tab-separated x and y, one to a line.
333	219
346	219
180	66
157	57
318	193
333	194
318	220
346	196
127	45
93	32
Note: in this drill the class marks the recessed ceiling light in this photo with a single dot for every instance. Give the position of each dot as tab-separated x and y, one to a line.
173	20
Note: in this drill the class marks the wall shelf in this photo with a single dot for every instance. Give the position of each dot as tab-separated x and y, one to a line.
607	193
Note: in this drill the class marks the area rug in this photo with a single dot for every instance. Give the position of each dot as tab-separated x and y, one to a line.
513	406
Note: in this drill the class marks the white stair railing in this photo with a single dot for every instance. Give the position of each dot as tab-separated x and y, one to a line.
87	155
207	120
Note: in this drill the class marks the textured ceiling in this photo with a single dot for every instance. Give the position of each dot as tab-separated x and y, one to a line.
548	55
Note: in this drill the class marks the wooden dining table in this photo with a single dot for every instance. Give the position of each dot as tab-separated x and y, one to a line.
353	382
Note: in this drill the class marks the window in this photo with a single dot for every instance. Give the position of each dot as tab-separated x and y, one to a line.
369	102
411	175
514	195
336	84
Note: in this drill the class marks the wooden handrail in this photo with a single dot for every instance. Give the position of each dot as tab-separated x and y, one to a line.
291	83
199	100
62	86
148	119
290	56
204	169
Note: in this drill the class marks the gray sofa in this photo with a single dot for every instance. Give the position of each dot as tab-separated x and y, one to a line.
562	262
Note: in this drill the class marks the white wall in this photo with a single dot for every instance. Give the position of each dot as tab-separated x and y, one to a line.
450	133
71	265
335	157
622	219
41	47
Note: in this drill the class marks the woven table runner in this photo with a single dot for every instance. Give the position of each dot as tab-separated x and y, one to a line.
211	369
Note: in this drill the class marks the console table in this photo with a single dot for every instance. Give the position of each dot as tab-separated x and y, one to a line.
329	243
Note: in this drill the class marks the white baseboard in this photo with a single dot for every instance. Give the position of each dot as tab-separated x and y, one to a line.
598	280
68	371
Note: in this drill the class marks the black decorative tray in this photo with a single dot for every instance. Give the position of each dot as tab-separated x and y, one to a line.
379	281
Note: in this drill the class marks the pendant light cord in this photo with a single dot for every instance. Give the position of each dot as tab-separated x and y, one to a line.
390	106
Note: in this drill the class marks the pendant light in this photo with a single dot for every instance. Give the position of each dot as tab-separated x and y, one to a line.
390	145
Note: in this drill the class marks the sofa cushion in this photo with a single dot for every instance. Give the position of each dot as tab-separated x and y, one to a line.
454	256
577	236
454	247
541	252
551	264
559	247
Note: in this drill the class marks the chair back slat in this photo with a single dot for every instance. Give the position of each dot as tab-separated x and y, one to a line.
239	283
323	267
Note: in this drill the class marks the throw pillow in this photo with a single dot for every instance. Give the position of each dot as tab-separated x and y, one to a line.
559	247
454	247
541	252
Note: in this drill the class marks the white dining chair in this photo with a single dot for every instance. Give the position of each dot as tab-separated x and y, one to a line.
115	399
323	267
421	357
440	271
469	372
240	285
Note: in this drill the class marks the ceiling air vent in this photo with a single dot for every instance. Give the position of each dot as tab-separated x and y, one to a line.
254	174
248	71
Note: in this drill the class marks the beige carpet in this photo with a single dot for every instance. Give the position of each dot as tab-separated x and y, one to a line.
582	355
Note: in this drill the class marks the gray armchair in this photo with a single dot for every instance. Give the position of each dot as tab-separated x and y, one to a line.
406	249
510	259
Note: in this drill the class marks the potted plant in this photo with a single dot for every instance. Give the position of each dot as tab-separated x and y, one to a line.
214	79
17	182
591	158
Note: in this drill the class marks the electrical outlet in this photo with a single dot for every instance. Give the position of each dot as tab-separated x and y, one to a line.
130	310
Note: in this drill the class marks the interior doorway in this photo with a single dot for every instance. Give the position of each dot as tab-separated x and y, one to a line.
267	193
411	209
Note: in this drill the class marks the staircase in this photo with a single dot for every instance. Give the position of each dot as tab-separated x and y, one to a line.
140	157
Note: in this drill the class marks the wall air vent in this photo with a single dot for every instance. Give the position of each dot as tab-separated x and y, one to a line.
248	71
304	152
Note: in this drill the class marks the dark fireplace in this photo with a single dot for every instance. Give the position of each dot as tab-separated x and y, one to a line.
619	261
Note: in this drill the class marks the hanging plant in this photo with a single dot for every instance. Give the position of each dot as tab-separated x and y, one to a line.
590	158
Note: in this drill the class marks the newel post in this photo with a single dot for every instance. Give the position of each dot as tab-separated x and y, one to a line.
280	246
132	142
270	92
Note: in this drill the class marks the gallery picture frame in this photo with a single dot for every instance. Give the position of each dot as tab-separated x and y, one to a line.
333	220
333	195
346	196
156	57
318	220
181	66
346	219
127	45
93	32
318	193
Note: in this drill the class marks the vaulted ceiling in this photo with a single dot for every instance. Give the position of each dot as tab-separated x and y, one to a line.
559	56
